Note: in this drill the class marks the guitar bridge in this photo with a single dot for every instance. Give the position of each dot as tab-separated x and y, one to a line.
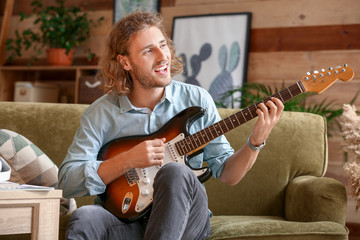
131	177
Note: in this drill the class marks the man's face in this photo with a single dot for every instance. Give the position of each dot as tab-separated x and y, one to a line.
149	59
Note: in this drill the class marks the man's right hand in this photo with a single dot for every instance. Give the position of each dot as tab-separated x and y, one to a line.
144	154
147	153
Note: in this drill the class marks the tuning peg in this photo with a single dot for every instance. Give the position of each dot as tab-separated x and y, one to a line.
314	77
308	73
338	67
316	71
330	68
345	65
322	70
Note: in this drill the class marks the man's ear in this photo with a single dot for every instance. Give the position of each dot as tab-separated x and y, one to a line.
124	62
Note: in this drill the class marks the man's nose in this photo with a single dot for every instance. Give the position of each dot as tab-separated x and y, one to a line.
161	54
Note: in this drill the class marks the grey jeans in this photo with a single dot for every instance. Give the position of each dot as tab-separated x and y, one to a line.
179	211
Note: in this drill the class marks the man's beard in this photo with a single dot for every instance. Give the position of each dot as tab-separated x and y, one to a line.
147	80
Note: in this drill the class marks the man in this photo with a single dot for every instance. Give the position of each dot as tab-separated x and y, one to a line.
136	69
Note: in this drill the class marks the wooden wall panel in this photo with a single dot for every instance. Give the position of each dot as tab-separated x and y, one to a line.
313	38
275	13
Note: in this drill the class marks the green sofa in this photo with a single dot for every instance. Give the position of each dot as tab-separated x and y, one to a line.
284	196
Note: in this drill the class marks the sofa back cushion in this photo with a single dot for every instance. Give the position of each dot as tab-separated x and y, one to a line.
51	127
296	146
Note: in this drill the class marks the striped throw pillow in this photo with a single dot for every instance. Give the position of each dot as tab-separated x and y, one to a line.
29	165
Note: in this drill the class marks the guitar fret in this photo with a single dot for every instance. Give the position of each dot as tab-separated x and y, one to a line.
184	145
254	108
231	121
193	142
298	84
221	130
201	139
243	115
179	149
251	114
285	95
217	132
290	92
237	119
189	143
202	133
279	96
211	133
207	136
226	125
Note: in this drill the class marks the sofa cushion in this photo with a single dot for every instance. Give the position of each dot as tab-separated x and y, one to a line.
29	165
273	228
297	146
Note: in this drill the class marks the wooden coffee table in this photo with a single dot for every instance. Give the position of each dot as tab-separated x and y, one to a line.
35	212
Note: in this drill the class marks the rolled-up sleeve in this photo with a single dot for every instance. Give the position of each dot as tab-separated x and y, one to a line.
78	173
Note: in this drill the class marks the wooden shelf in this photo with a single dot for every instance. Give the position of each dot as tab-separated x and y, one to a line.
47	68
67	77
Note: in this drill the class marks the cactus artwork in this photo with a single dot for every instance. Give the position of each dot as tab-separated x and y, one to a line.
224	81
195	64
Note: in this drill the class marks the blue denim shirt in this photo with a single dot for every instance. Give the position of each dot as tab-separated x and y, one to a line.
111	117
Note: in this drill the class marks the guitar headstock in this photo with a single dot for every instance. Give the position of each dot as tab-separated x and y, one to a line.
318	82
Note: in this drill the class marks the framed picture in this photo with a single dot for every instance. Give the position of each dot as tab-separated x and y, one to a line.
124	7
215	51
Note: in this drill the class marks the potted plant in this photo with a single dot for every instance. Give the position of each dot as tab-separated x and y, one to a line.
61	29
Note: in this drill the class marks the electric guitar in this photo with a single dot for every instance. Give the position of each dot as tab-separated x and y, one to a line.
130	196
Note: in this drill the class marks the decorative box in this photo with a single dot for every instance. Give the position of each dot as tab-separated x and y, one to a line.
36	92
89	89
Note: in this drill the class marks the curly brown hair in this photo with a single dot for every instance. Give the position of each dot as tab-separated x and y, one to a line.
114	78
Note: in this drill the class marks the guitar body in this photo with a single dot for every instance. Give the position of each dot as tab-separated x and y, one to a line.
129	197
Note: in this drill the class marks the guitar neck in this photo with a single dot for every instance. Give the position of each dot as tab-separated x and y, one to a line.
198	140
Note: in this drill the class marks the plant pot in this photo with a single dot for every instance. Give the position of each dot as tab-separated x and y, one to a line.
58	56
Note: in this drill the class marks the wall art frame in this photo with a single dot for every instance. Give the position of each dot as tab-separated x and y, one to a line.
214	49
124	7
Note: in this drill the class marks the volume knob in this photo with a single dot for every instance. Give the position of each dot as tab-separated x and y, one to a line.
146	181
145	192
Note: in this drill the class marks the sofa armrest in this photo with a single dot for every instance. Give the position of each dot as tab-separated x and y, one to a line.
310	199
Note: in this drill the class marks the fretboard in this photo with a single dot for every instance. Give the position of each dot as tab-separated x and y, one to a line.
201	138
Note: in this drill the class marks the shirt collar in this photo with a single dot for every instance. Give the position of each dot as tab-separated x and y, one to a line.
168	94
126	106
